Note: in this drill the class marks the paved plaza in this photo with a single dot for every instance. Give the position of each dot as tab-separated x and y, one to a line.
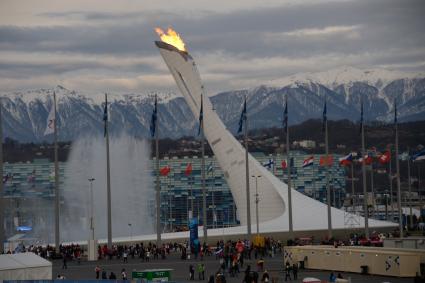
180	273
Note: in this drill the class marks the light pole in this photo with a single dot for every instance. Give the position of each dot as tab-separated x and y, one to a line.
91	180
256	202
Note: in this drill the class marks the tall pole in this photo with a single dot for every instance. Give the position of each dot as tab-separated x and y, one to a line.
328	190
91	208
372	189
390	177
57	236
158	188
257	199
397	164
365	205
204	191
2	236
248	199
410	189
352	187
286	128
108	179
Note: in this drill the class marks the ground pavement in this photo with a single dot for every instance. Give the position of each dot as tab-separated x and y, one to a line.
180	272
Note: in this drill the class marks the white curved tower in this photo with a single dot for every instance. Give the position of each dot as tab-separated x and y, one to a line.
308	214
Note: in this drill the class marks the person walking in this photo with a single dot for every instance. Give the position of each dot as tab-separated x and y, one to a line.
295	271
125	256
64	265
123	274
287	271
191	272
97	270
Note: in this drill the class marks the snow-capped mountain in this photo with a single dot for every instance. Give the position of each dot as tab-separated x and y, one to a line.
25	113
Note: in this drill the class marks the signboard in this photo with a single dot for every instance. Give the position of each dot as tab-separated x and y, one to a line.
152	274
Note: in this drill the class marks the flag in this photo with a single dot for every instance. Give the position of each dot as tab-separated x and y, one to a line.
285	116
325	118
308	162
346	160
243	117
269	164
188	169
50	125
201	116
326	160
105	115
284	165
385	157
154	117
210	167
367	159
419	156
361	116
164	171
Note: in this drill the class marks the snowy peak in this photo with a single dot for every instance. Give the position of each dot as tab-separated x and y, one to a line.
346	75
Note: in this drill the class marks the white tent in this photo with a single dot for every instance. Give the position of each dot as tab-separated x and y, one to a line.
23	266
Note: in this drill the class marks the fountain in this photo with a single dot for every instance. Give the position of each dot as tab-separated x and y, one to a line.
131	185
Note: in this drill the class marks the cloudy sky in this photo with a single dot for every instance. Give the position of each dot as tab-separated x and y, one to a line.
107	45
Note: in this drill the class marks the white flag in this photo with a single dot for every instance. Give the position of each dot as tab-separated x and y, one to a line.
50	127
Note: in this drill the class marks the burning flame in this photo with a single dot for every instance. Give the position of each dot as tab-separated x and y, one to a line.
171	37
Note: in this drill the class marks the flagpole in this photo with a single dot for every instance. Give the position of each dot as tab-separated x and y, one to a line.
391	187
204	195
158	188
410	189
2	236
352	187
57	236
400	215
108	178
248	198
365	206
372	189
327	175
291	228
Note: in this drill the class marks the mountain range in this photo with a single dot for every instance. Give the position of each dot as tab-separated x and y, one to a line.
25	113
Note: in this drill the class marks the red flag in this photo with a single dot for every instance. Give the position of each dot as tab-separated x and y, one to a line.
164	171
284	165
188	170
326	160
385	157
367	159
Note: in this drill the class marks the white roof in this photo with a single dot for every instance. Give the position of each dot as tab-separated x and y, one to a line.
22	260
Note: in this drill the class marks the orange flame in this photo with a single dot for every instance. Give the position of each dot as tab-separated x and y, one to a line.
171	37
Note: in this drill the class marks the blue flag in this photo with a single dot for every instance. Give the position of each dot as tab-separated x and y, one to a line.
154	117
201	116
285	116
243	117
325	118
105	116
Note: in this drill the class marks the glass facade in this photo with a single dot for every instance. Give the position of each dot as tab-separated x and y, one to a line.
181	191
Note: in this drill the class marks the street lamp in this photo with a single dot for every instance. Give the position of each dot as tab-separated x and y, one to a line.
91	180
256	202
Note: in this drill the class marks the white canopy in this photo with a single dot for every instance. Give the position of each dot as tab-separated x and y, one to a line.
24	266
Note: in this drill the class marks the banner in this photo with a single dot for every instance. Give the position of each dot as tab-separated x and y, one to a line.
193	228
